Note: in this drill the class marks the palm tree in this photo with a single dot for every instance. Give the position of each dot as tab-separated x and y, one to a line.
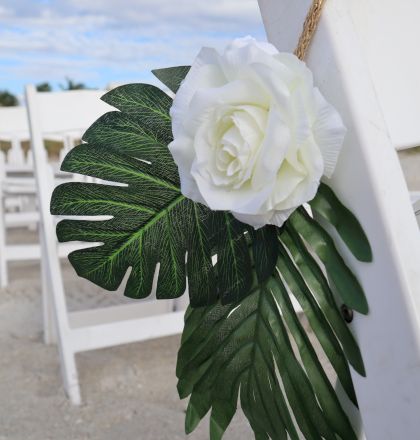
7	99
44	87
72	85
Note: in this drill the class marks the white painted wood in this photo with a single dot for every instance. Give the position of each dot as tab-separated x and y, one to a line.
73	111
50	331
369	180
12	197
50	258
3	261
417	211
123	330
64	117
89	329
390	35
28	252
14	129
19	219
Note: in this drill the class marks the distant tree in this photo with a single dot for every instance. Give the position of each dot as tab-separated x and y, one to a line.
44	87
7	99
72	85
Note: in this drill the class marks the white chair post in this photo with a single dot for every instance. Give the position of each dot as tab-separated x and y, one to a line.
3	261
369	180
49	252
49	325
15	155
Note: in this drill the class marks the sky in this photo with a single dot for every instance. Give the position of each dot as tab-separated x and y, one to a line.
98	42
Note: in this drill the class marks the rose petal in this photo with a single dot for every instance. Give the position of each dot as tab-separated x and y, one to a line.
205	73
280	217
249	41
252	134
272	151
255	220
183	154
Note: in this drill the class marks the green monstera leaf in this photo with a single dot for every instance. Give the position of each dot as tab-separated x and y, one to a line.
151	221
243	338
258	350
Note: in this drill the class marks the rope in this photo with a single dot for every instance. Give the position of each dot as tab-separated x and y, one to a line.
309	28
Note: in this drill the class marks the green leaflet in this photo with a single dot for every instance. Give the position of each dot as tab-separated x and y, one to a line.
264	258
327	205
343	278
237	349
318	286
152	222
145	101
233	266
325	334
172	76
127	134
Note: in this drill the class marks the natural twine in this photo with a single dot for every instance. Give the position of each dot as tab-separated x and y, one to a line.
309	28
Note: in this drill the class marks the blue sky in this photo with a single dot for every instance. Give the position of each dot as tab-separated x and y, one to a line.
103	41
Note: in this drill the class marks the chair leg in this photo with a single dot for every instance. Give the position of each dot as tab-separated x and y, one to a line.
50	331
56	328
70	376
4	281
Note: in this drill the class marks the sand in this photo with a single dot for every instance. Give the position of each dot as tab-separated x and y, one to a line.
129	392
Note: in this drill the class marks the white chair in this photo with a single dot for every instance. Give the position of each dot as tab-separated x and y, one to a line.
363	60
89	329
67	115
15	191
10	252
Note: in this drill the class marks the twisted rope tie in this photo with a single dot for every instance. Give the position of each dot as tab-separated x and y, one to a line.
309	28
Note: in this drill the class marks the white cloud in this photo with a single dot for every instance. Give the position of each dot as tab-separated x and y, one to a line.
49	39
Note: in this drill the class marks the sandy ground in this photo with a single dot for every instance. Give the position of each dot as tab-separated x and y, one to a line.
129	391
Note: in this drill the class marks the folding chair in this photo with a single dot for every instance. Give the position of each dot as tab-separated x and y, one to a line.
88	329
364	61
67	115
13	216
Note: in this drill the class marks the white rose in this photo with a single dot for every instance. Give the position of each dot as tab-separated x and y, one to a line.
252	135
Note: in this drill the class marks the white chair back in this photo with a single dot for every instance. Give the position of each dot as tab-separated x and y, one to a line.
66	115
69	111
362	63
13	120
